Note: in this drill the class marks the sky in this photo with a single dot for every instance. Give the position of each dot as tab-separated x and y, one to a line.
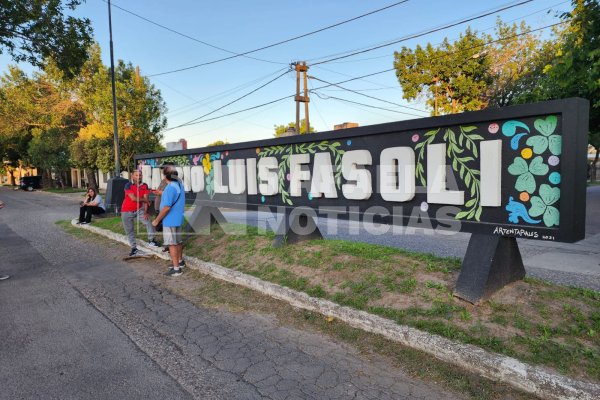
242	25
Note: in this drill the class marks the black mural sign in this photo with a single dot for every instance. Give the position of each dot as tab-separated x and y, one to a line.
518	171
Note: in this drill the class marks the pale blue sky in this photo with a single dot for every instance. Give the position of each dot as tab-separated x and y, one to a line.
242	25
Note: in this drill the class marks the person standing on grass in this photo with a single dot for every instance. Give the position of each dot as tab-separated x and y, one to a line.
93	204
135	207
172	206
3	277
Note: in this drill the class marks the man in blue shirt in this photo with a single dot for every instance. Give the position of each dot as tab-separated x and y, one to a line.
172	205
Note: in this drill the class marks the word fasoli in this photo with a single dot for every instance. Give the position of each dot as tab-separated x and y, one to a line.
397	181
521	167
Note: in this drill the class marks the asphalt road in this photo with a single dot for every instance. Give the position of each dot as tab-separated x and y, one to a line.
576	264
76	322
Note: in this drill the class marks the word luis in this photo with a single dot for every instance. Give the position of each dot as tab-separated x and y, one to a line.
396	179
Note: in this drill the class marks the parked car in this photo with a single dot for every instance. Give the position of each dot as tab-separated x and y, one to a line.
30	182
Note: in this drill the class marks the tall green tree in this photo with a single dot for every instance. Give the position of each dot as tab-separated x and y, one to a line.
452	77
281	129
576	69
36	31
140	109
517	62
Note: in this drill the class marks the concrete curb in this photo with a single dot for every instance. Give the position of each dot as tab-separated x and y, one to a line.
531	379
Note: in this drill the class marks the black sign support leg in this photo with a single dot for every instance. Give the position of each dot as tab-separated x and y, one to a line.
491	263
296	227
205	217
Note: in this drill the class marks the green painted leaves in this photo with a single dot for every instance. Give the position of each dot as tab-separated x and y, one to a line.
547	140
543	204
525	173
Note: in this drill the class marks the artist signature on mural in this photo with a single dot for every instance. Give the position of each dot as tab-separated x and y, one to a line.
518	232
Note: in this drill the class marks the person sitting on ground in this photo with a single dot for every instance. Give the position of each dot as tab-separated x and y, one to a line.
92	205
135	207
172	207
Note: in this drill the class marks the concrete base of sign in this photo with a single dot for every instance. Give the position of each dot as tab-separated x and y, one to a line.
491	263
205	217
296	228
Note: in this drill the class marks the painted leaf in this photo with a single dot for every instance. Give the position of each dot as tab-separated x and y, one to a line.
468	128
537	207
462	214
537	166
539	144
551	216
514	142
518	167
509	128
546	126
555	144
478	213
470	202
526	183
549	194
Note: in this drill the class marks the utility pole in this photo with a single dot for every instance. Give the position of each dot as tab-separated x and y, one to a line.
115	185
301	67
114	96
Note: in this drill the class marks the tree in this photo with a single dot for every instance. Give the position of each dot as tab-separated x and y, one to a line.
574	67
452	77
35	31
217	143
140	111
38	120
281	129
516	64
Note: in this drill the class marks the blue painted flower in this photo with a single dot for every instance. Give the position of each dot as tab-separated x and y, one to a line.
554	178
349	142
262	199
310	197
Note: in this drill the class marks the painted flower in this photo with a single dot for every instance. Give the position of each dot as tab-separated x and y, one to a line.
526	172
543	204
546	140
207	164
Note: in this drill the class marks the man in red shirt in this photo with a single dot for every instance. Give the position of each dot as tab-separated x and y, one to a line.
135	206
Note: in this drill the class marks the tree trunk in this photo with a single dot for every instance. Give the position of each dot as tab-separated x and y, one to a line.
47	178
91	178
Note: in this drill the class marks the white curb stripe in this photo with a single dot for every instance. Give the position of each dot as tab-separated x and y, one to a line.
531	379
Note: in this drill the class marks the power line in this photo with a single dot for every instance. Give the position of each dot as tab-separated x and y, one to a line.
284	41
188	36
368	75
483	30
448	54
231	102
430	31
366	95
217	96
326	97
234	112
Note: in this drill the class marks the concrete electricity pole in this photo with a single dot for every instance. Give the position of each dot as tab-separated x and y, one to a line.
301	66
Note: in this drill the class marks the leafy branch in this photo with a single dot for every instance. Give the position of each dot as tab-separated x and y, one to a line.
469	176
419	169
302	148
